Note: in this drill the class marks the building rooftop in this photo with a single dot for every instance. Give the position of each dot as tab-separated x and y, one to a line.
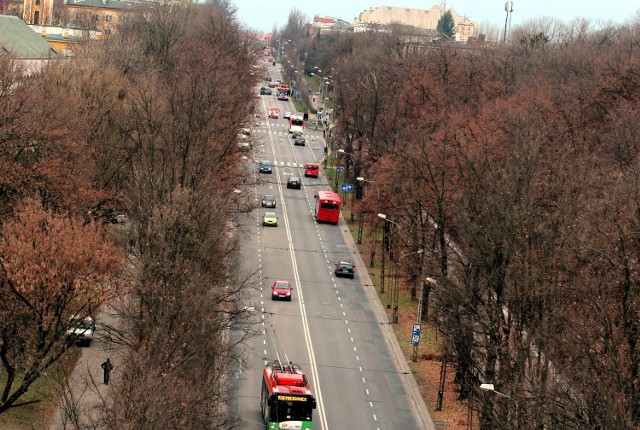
20	41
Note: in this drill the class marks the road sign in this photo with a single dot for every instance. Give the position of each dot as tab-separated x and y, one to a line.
347	188
339	169
415	335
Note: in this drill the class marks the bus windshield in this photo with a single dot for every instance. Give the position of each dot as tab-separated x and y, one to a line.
292	411
297	122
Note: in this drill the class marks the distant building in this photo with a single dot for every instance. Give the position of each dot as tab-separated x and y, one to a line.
23	45
426	19
323	22
20	41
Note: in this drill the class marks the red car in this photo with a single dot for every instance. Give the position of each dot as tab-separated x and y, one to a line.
311	169
281	290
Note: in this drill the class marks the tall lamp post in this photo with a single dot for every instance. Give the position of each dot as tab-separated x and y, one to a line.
492	389
342	151
392	298
375	226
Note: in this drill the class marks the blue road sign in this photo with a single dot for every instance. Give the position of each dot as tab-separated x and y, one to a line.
339	169
415	335
347	188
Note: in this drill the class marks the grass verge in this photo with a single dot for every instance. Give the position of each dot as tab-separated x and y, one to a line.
44	392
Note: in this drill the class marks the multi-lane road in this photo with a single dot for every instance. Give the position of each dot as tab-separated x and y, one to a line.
332	328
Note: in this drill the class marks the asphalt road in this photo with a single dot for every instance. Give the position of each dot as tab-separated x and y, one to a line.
333	327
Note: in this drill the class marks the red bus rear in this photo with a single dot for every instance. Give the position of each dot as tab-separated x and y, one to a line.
328	207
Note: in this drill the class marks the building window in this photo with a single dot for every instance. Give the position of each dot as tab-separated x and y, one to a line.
36	18
108	18
37	2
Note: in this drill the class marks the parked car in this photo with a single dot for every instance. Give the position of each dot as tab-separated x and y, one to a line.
345	268
265	91
294	182
300	140
281	290
80	330
270	219
265	166
268	201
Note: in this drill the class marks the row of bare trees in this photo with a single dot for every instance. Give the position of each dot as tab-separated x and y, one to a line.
526	157
145	124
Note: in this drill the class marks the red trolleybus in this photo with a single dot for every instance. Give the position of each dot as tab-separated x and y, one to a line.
328	207
296	123
286	400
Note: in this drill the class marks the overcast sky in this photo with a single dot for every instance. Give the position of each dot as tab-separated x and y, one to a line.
262	15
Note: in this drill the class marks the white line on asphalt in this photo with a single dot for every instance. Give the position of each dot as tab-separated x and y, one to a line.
303	311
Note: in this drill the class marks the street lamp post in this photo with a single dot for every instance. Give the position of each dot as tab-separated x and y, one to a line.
375	226
342	151
393	293
491	388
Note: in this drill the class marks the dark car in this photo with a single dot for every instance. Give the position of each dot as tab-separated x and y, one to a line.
300	141
281	290
294	182
265	91
265	166
268	201
345	268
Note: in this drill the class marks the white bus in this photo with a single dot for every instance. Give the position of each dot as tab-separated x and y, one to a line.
296	123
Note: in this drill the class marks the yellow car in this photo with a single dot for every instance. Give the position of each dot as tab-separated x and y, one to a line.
270	218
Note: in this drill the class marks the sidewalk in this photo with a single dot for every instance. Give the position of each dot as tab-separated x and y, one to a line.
85	390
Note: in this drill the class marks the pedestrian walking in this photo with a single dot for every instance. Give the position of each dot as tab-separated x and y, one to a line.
107	367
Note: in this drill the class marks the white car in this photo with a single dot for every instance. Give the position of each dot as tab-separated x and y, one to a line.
80	330
286	115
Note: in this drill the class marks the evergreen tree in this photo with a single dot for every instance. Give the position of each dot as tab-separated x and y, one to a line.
446	24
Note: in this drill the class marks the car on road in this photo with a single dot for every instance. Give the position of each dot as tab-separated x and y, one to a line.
268	78
311	169
270	219
294	182
300	140
268	201
80	330
265	166
295	134
265	91
286	115
281	290
272	85
345	268
283	97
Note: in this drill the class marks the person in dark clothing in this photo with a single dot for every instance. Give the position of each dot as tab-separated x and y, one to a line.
107	367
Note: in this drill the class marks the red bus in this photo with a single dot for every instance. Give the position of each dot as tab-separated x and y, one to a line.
286	398
328	207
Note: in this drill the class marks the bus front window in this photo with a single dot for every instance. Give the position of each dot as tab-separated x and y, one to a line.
295	411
